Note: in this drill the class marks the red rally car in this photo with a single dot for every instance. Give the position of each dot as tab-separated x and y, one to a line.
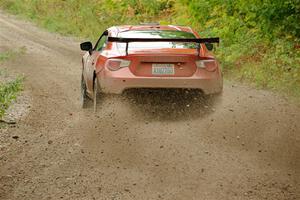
149	56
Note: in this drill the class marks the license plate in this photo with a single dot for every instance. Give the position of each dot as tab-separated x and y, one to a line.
163	69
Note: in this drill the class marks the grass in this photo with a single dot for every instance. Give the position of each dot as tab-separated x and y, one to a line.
85	19
277	68
9	89
8	93
10	54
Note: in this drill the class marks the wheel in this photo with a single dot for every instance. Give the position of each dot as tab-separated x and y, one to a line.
83	97
96	93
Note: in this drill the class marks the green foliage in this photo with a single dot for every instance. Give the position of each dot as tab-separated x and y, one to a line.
278	68
271	17
86	19
10	89
8	92
259	38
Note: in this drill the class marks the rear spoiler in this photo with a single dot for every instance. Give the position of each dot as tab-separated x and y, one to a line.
191	40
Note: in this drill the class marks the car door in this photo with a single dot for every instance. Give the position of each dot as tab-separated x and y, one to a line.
91	61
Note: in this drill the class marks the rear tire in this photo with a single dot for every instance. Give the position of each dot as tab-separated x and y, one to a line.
96	93
83	97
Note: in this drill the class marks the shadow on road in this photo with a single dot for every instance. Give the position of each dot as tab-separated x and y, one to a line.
170	104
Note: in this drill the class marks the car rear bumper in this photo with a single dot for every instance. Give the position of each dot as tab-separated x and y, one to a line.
118	81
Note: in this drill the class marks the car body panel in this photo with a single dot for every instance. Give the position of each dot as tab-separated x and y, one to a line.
140	75
118	81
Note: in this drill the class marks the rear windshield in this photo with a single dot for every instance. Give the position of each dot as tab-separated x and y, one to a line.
157	34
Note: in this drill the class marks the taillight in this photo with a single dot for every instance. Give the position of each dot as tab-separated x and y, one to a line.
116	64
209	65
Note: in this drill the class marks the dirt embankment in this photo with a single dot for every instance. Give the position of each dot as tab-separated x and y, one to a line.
142	145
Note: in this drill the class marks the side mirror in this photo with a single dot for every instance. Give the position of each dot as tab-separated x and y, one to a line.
209	46
86	46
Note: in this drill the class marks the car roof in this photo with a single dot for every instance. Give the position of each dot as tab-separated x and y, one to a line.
117	29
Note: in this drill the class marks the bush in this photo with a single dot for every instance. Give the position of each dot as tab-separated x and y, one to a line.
258	38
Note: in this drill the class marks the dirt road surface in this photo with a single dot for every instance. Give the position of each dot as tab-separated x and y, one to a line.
143	144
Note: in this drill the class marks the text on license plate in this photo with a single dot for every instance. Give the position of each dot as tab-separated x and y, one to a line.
163	69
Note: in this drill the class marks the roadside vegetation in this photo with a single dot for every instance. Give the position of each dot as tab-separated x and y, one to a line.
260	40
8	93
9	86
10	54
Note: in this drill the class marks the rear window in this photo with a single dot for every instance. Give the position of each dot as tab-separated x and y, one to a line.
157	34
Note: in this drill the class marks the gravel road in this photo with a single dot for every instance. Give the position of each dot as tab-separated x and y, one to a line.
144	144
